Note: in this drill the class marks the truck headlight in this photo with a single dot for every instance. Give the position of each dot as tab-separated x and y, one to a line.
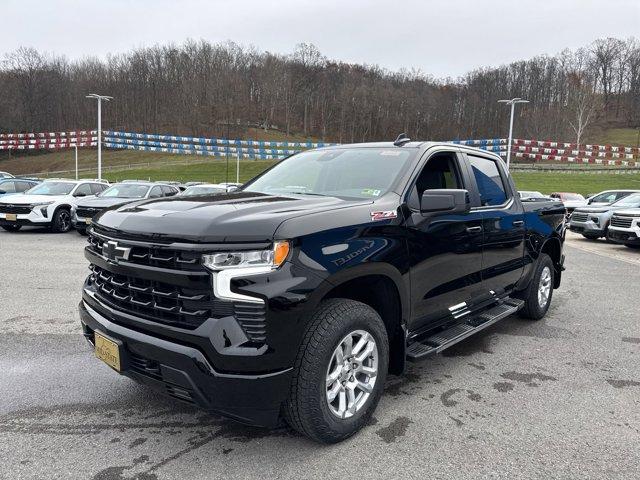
273	257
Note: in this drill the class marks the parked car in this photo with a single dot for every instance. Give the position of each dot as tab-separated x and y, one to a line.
5	175
571	201
299	292
116	195
593	222
48	204
608	197
204	189
12	186
625	227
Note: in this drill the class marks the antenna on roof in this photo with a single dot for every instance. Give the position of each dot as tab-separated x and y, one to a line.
401	140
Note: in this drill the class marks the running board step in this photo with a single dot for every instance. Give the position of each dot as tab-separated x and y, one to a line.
437	342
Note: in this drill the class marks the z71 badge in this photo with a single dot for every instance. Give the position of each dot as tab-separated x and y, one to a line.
383	215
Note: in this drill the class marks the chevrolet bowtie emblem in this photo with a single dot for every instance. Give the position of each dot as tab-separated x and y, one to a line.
114	252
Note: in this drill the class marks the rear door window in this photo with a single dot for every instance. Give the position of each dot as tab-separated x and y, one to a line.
490	183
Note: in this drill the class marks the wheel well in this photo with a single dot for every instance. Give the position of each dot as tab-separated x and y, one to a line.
553	249
381	294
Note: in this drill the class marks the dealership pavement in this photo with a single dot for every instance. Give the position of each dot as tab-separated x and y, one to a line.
555	399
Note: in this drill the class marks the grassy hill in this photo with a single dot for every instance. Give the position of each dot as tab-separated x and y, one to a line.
616	136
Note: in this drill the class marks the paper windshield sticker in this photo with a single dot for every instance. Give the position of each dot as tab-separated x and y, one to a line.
371	192
383	215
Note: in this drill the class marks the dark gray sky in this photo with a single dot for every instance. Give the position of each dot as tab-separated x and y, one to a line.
442	38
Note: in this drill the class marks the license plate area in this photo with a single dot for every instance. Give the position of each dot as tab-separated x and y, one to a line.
87	221
108	350
11	217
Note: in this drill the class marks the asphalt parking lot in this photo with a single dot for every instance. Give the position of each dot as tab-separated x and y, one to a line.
558	398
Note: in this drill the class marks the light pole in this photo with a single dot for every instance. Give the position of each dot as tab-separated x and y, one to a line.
75	145
106	99
511	102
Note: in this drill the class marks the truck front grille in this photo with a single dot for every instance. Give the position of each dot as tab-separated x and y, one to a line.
167	303
155	256
622	222
16	209
157	301
579	217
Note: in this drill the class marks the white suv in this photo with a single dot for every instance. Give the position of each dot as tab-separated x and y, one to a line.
47	204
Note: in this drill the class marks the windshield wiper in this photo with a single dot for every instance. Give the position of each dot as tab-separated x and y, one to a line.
307	193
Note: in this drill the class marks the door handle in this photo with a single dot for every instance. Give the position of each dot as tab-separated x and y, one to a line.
474	229
518	223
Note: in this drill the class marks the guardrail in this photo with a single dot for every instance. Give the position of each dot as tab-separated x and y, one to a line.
522	149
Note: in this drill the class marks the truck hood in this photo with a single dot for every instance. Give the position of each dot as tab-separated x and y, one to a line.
232	217
28	199
104	202
596	209
629	212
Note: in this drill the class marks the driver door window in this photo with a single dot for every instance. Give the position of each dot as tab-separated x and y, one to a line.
156	192
83	190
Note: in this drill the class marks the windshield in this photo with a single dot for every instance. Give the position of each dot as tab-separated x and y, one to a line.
192	191
126	190
52	188
353	173
632	201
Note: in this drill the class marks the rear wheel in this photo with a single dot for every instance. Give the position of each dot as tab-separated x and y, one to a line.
537	296
339	372
61	221
11	228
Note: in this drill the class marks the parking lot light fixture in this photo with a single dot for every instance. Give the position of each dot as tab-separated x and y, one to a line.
511	102
100	98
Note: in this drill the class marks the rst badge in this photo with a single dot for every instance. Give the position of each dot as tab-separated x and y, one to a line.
383	215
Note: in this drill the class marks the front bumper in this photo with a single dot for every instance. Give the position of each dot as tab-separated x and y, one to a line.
589	227
624	235
80	223
184	373
34	218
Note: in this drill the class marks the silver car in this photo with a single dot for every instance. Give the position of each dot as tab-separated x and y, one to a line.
593	222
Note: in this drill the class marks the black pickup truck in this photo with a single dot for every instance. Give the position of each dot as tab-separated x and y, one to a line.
293	297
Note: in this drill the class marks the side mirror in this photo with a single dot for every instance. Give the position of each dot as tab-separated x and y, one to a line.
80	195
445	201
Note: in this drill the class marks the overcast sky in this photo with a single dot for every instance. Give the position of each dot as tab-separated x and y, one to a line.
440	37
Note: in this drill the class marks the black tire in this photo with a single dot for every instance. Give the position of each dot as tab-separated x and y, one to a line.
532	309
634	246
61	221
11	228
307	408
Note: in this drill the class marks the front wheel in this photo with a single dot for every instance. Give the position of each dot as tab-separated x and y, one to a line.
61	221
537	296
11	228
339	373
